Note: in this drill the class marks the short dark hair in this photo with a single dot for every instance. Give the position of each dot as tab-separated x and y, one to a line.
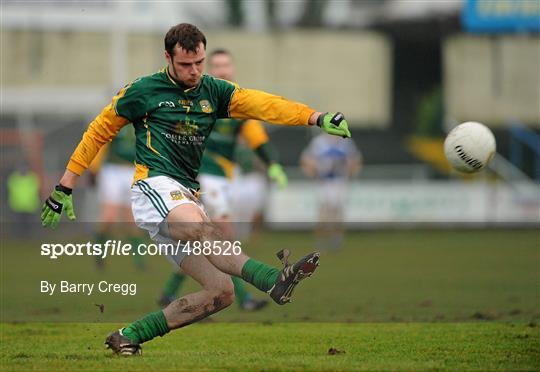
188	36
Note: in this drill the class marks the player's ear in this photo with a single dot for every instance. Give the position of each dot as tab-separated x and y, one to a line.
168	57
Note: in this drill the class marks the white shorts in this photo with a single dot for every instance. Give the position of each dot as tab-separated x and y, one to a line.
216	195
151	201
248	196
114	182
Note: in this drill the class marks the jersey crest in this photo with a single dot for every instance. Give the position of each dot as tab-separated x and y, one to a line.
206	107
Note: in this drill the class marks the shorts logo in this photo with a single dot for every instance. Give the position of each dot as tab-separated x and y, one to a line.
177	195
206	106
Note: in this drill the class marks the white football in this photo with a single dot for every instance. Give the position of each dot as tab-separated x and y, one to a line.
469	147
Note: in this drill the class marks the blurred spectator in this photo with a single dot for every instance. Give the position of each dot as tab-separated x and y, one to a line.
23	197
332	161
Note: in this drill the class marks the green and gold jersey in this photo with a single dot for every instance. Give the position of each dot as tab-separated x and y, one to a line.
172	123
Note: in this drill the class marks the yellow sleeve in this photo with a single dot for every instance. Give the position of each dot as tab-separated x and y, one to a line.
96	164
254	133
256	104
100	131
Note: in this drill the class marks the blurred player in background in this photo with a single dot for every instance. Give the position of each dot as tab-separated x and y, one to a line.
248	205
114	168
173	112
332	161
217	172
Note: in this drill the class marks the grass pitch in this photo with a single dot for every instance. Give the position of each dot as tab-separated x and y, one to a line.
413	300
286	346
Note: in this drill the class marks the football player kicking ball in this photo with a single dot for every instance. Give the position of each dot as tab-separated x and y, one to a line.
173	111
216	173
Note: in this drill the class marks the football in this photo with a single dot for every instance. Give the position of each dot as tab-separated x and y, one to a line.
469	147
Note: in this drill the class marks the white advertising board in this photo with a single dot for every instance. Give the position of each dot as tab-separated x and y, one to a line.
425	202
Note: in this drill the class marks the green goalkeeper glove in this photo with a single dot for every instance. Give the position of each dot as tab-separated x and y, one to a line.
278	175
59	200
334	123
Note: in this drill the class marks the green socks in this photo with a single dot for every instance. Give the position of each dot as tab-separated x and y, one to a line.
145	329
261	275
173	284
